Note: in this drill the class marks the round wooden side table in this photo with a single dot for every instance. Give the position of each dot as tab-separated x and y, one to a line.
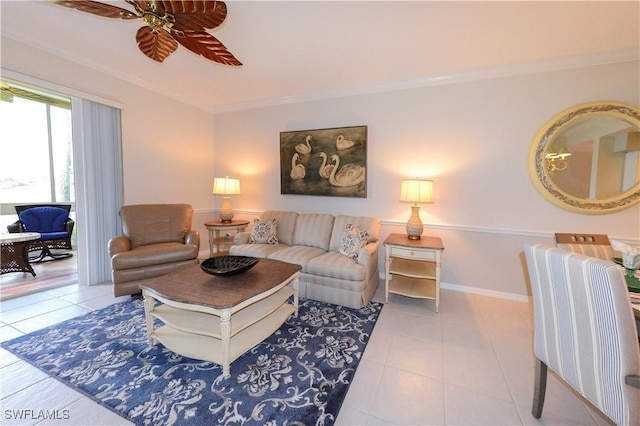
215	226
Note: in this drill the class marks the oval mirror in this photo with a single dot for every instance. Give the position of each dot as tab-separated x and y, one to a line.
587	158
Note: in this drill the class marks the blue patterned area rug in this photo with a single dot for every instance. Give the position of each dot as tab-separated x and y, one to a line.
299	375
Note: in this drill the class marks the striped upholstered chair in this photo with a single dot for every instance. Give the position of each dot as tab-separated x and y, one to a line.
594	245
584	331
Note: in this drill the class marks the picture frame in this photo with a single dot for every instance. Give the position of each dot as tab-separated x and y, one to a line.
324	162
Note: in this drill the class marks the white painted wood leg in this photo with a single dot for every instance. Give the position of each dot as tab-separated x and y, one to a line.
225	331
149	303
296	286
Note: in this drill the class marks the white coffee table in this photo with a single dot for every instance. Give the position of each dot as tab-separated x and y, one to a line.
218	319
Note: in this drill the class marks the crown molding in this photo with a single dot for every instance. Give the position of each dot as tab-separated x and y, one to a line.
557	64
111	71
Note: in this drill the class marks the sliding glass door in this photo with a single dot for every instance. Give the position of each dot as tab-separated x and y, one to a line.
57	149
36	161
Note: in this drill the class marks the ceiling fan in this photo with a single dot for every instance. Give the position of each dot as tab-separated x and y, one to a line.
169	23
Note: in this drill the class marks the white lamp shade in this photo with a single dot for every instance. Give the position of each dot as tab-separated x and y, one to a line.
226	186
417	191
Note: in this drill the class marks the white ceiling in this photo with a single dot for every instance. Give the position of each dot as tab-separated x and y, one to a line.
302	50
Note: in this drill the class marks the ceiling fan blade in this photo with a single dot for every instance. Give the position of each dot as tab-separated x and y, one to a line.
206	45
97	8
157	46
195	15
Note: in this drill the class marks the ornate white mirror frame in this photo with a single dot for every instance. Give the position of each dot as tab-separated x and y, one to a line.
586	159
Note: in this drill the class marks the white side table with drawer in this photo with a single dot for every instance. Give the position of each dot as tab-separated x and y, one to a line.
412	267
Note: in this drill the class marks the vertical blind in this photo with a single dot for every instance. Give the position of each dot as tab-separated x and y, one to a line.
97	153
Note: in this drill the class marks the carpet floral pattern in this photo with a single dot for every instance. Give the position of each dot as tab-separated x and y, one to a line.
299	375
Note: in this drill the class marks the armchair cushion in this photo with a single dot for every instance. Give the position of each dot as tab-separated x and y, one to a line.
45	220
156	223
154	254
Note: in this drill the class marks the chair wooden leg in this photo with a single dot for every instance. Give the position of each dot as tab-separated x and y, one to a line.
540	389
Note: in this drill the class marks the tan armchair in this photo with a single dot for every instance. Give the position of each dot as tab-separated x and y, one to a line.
157	240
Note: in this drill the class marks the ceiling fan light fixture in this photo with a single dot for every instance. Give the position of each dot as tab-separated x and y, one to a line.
170	22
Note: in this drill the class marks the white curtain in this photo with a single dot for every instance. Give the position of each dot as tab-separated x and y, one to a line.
97	157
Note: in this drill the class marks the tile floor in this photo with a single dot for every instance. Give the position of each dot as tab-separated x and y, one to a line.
470	364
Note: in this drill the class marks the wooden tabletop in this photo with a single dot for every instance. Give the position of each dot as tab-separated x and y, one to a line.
233	223
423	242
193	286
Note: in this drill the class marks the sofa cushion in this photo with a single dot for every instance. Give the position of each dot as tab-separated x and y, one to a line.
300	255
364	223
313	230
335	265
264	232
352	241
286	224
255	250
156	223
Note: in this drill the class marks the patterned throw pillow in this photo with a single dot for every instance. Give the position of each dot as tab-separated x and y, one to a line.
264	232
352	241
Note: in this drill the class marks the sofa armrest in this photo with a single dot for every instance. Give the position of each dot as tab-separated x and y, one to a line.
241	238
368	257
119	245
192	238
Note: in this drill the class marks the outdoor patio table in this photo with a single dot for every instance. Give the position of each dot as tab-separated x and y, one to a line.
15	252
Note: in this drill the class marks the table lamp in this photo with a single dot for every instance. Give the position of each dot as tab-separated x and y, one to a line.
416	191
226	187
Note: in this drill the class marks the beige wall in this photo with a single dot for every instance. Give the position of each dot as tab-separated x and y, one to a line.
471	138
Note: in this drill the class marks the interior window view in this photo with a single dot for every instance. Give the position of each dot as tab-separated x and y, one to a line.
320	213
37	190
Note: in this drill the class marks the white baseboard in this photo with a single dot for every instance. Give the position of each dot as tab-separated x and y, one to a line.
485	292
480	291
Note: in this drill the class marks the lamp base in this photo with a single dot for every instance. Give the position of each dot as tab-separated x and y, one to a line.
414	225
226	212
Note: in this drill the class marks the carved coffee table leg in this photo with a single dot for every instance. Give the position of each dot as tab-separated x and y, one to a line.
149	303
225	331
296	285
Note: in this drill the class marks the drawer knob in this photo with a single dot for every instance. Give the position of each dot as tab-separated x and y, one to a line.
412	253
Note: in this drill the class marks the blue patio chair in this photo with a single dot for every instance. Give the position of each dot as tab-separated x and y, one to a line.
53	224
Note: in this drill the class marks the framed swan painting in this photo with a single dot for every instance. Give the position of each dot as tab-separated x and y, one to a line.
331	162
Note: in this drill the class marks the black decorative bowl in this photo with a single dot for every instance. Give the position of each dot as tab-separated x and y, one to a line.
228	265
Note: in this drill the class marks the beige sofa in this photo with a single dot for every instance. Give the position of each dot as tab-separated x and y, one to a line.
312	241
157	240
